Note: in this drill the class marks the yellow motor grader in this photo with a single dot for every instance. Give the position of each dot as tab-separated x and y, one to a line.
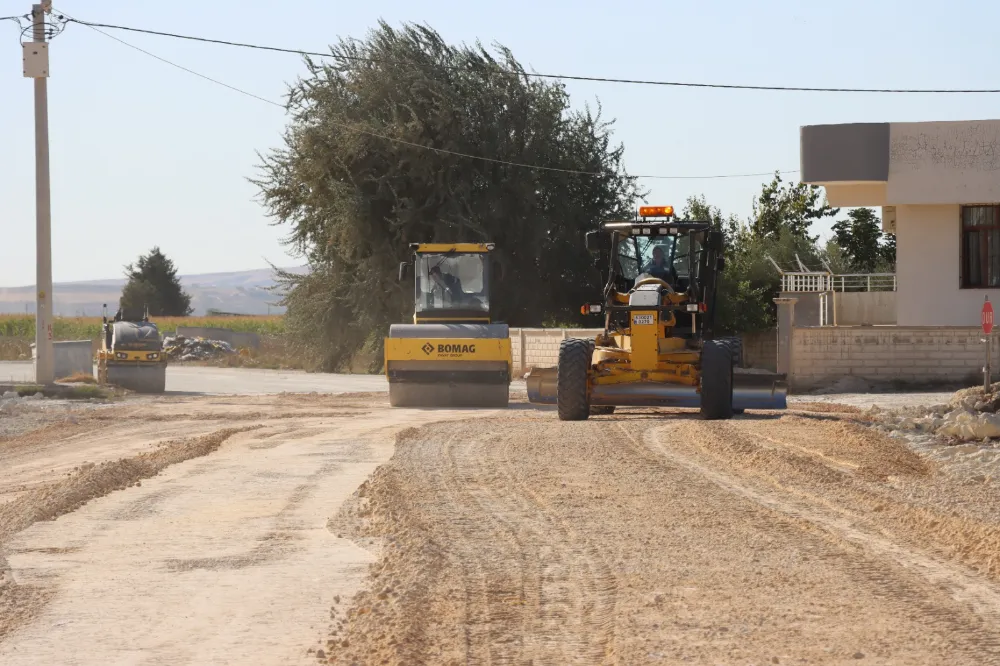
658	346
453	354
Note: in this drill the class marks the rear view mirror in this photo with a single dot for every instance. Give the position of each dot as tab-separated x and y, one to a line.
598	241
404	268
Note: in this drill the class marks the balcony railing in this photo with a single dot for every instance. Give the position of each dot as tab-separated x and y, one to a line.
818	282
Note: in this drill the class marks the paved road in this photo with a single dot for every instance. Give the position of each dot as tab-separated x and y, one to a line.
241	381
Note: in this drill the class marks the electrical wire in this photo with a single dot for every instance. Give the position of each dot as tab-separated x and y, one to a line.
568	77
417	145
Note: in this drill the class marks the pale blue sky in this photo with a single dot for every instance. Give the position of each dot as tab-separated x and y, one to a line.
145	154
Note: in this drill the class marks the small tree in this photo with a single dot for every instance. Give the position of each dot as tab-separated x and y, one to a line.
862	242
788	208
153	282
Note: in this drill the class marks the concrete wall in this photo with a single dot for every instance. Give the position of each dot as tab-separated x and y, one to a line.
864	308
854	308
235	338
760	350
71	357
944	162
539	347
884	354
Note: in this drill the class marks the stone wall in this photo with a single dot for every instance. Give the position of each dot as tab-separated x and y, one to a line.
888	354
760	350
541	347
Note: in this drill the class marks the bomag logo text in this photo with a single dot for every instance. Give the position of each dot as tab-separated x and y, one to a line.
456	349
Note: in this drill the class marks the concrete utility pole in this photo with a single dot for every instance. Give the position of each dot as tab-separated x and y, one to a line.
36	67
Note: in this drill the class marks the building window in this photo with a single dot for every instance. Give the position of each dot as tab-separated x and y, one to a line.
980	246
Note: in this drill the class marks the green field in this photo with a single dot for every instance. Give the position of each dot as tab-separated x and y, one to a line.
89	328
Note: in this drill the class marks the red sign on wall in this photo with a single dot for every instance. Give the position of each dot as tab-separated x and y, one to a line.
987	318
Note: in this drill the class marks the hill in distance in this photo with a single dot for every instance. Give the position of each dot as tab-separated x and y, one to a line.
241	292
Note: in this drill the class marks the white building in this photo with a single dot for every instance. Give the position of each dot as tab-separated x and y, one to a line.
938	184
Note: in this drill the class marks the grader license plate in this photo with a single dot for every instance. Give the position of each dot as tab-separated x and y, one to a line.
642	320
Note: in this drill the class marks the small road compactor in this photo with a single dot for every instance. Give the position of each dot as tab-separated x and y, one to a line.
658	347
453	354
131	353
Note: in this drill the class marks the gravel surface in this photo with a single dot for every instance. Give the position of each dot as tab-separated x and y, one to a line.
191	530
185	530
653	537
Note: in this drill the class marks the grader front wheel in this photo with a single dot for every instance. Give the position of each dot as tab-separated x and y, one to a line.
716	380
571	379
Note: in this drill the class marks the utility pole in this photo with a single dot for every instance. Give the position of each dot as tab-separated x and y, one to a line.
36	66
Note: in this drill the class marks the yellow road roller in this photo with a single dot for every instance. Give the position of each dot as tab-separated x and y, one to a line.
131	353
453	354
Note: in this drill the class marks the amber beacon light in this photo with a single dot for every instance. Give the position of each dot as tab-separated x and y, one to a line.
656	211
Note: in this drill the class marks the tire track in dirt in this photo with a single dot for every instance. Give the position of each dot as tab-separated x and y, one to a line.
20	603
631	539
982	597
576	588
531	590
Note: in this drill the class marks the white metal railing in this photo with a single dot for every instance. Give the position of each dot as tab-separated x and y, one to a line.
820	281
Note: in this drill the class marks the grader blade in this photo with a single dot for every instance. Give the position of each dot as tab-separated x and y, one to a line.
759	390
542	386
751	390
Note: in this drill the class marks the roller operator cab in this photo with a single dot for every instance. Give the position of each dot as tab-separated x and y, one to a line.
453	354
658	346
131	352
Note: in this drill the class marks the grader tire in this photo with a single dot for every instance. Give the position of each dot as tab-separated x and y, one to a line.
716	381
571	379
735	345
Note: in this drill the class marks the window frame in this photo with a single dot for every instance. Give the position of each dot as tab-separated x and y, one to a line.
984	245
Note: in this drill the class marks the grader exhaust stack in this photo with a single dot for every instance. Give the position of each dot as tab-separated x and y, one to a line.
658	347
452	355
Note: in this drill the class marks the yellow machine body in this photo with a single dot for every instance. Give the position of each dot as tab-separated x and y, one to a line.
657	347
131	354
453	354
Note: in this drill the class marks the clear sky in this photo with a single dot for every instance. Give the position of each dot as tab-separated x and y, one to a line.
144	154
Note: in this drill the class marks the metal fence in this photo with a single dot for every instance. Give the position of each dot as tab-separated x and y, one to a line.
820	282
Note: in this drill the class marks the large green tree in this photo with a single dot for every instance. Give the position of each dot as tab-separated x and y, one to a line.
375	158
863	245
153	283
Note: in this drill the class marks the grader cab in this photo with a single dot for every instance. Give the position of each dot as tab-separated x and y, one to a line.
658	347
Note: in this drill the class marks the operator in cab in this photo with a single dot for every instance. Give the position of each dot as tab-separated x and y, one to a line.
658	267
448	282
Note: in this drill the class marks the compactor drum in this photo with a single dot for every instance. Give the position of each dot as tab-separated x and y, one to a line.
452	355
658	346
131	353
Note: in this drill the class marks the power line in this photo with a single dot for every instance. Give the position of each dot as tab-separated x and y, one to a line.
418	145
568	77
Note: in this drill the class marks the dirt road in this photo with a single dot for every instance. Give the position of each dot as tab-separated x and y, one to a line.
187	531
228	530
656	538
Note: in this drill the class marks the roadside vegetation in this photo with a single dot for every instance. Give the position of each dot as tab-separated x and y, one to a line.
17	333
